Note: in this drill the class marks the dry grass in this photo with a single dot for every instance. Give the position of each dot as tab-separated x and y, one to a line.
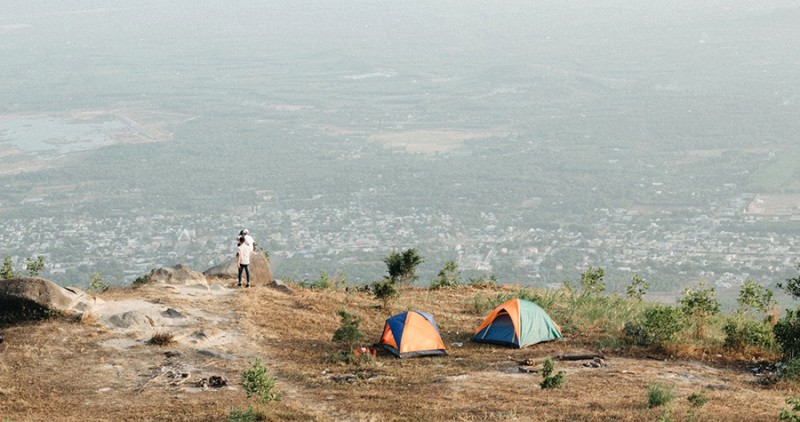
60	369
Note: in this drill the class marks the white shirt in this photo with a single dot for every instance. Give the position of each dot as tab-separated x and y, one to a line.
244	254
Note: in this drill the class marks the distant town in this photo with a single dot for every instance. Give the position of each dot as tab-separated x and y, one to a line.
668	251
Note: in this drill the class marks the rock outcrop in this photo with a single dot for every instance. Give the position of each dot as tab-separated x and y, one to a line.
260	271
179	275
30	298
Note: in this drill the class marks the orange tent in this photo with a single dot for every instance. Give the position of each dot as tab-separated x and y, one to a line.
411	334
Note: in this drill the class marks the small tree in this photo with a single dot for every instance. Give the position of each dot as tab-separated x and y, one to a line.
385	291
699	304
448	276
348	334
637	288
7	272
753	296
548	379
257	381
592	281
34	266
402	267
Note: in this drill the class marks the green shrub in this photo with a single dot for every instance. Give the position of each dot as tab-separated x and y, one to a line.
257	381
658	394
787	333
754	297
248	415
385	291
657	324
7	271
743	331
790	370
34	266
699	304
348	334
592	283
96	284
143	279
549	380
637	288
792	414
448	276
402	266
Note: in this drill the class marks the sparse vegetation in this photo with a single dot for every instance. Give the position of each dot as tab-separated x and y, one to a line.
7	272
637	288
699	304
658	394
349	332
32	267
247	415
448	276
258	382
97	284
142	280
161	339
592	283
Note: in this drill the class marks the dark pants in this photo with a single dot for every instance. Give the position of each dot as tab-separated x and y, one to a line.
246	268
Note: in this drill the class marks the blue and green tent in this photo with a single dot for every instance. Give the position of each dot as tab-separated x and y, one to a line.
517	323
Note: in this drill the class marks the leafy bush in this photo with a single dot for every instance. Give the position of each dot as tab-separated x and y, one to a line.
448	276
787	333
549	380
385	291
742	332
637	288
699	304
754	297
658	395
790	370
257	381
657	324
143	279
592	281
7	272
34	266
96	284
248	415
348	334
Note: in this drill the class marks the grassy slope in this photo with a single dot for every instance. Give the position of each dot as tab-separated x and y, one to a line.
60	368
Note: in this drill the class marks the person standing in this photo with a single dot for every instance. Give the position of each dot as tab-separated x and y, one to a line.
243	260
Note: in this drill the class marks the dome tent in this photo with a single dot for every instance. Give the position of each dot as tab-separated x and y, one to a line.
517	323
412	334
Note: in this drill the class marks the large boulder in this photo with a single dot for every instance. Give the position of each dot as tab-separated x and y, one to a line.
31	298
260	271
179	275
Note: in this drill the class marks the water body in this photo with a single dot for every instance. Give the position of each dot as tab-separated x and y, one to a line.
51	136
